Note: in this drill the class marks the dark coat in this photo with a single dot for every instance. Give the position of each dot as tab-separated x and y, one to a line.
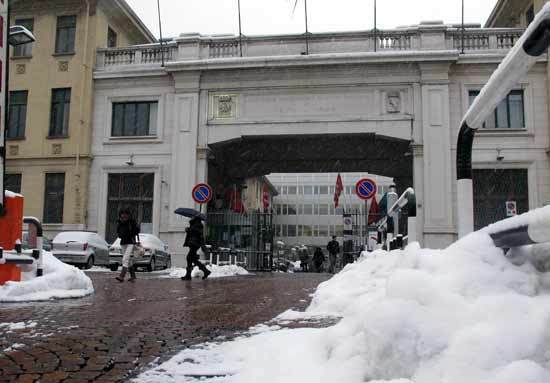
333	247
318	257
195	234
127	231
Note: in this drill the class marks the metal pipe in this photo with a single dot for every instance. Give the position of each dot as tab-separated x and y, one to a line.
463	29
6	110
307	31
160	33
375	31
240	29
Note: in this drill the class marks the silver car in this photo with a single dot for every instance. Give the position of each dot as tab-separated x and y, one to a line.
156	254
81	248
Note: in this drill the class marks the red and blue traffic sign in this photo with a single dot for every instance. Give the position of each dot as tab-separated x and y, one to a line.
202	193
365	188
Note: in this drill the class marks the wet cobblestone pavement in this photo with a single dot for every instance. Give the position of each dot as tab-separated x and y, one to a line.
124	328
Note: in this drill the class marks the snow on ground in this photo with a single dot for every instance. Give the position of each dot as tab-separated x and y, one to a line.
9	327
464	314
59	281
98	269
217	272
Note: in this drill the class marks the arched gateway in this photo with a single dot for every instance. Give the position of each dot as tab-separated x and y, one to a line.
343	108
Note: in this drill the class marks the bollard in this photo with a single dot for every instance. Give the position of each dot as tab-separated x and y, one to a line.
399	241
18	247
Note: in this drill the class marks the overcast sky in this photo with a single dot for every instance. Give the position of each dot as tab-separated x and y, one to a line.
276	16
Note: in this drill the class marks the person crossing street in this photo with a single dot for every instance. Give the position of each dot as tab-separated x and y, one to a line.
333	248
128	232
194	241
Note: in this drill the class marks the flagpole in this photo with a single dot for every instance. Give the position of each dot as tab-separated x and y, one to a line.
375	31
160	32
463	29
307	40
240	29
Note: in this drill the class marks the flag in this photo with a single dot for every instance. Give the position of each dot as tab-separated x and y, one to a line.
338	190
374	212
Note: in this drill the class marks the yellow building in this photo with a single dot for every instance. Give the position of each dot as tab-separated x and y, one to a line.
49	132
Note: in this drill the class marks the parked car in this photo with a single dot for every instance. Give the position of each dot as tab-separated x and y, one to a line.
156	254
46	242
81	248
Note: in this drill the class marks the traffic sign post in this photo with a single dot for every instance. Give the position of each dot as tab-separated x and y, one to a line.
202	193
365	188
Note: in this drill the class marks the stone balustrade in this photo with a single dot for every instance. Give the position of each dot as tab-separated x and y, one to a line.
424	37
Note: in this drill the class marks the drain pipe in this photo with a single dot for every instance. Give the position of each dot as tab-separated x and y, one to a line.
533	43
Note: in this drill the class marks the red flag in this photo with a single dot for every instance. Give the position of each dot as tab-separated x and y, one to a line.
338	190
374	212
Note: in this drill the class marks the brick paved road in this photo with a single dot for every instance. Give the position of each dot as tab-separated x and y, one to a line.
122	328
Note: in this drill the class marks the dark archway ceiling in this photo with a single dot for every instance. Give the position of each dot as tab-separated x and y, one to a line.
251	156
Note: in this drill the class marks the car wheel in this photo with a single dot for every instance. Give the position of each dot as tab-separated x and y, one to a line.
90	263
113	267
152	266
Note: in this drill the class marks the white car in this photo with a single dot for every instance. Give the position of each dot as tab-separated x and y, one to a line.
156	254
81	248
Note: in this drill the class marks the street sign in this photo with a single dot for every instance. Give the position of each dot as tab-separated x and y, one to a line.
348	227
365	188
511	208
202	193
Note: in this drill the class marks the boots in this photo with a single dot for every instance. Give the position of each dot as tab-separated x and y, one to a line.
123	272
132	274
187	274
205	271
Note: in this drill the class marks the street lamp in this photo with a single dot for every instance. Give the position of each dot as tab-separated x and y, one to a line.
20	35
533	43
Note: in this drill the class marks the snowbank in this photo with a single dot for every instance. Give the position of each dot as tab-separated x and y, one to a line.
217	272
59	281
464	314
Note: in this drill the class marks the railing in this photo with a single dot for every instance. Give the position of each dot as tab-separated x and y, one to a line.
197	47
484	39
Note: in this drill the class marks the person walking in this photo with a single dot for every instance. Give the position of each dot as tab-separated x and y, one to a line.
333	248
128	232
194	241
304	260
318	260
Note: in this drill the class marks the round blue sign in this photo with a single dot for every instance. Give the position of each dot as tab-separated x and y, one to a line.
365	188
202	193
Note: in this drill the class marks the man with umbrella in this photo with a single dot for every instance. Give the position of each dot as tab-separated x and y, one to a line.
194	241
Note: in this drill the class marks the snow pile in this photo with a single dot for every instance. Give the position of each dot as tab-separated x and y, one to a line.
464	314
59	281
10	327
217	271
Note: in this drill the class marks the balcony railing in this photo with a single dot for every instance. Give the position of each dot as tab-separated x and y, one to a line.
421	38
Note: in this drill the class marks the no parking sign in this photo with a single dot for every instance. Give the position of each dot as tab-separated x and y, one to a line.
202	193
365	188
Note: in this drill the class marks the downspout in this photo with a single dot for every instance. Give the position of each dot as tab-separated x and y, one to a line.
81	120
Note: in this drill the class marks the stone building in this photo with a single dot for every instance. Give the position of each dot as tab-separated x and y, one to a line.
51	94
209	113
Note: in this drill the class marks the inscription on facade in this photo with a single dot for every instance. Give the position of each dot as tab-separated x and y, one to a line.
393	102
225	106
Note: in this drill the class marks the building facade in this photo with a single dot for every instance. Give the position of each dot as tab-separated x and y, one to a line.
305	210
49	131
342	108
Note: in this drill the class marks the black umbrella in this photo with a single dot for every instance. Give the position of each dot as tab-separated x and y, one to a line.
190	213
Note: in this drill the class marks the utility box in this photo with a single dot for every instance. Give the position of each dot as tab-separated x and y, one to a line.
11	223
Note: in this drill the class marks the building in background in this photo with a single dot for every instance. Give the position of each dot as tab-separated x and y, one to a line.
305	213
50	101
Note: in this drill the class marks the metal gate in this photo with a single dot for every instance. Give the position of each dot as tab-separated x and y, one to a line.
247	237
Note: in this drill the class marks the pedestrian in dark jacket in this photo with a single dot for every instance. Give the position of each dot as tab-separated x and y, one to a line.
128	232
333	248
304	260
194	241
318	260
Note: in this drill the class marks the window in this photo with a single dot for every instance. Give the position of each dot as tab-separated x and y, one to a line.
134	119
292	230
307	231
285	230
323	231
308	209
24	50
60	111
530	15
13	183
111	38
509	114
278	209
291	190
308	190
323	209
17	114
65	37
132	190
291	209
54	197
323	190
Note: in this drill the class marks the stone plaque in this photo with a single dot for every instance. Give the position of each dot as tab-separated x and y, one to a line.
225	106
393	102
14	150
20	68
63	66
56	148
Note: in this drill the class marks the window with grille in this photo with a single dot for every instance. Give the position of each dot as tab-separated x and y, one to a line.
12	182
134	119
24	50
493	188
65	36
17	114
54	197
60	112
509	114
134	191
111	38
